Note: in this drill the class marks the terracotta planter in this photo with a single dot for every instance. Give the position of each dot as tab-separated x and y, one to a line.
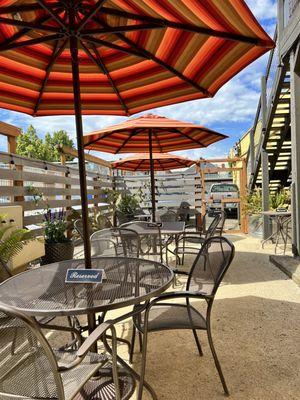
55	252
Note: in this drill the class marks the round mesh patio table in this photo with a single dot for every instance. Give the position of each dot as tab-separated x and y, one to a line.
126	281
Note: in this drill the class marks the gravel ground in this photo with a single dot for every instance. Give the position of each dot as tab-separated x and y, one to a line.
256	328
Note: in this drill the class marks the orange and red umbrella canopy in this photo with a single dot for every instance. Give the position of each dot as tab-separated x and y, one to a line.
161	162
132	136
133	54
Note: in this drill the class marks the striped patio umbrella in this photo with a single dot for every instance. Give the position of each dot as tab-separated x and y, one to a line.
119	56
161	162
159	134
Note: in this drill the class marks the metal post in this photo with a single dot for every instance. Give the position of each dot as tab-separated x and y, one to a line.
152	175
295	145
280	20
252	154
265	161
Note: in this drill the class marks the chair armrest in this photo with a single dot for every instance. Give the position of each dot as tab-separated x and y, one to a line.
90	340
182	294
180	272
94	337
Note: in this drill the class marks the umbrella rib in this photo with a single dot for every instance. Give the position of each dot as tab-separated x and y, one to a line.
134	132
24	7
52	13
114	46
161	165
99	62
30	25
171	69
56	53
185	27
158	142
30	42
146	54
24	31
139	164
189	137
123	28
90	14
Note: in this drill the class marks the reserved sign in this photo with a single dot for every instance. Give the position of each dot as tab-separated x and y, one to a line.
84	276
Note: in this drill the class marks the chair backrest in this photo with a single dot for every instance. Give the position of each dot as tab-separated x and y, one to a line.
221	223
28	367
78	225
213	226
105	242
101	222
169	216
130	242
183	211
150	244
210	265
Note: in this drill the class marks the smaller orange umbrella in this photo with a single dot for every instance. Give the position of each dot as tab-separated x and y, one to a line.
162	162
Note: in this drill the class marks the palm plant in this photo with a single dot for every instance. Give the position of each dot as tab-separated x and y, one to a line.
12	240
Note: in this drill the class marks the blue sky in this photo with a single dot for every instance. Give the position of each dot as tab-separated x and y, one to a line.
231	111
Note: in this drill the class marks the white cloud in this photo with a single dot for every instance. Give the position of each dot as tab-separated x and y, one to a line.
263	9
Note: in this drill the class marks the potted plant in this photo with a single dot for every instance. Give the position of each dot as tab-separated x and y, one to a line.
57	246
127	206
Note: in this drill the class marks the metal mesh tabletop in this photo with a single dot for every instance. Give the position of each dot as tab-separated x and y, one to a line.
167	228
127	281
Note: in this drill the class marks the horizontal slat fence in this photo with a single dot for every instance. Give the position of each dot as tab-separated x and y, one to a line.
37	185
171	189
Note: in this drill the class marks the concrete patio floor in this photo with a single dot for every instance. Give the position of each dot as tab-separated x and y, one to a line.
256	328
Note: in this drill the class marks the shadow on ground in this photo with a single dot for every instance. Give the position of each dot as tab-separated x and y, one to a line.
257	340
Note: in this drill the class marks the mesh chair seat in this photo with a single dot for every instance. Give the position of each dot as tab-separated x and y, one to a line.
103	385
175	316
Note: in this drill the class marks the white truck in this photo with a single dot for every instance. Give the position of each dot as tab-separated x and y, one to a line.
219	191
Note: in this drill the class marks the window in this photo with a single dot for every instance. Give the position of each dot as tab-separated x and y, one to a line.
225	187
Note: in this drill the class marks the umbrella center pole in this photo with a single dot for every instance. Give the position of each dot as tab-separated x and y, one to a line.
81	157
152	176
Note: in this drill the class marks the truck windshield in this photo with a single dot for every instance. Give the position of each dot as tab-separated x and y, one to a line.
226	187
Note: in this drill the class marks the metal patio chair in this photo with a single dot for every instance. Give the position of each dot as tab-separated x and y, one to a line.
79	228
207	272
130	241
107	242
30	369
189	242
150	244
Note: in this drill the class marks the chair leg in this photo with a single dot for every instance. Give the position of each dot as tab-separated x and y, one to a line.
141	341
197	342
217	363
144	355
131	351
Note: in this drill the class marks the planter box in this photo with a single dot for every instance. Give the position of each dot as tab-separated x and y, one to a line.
55	252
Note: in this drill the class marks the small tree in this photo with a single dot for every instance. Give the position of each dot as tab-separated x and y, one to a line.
58	138
30	145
